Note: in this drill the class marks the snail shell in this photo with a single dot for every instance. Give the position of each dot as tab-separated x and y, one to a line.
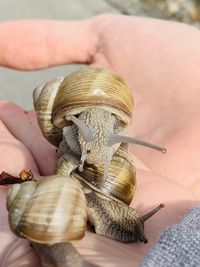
77	92
120	182
49	211
43	97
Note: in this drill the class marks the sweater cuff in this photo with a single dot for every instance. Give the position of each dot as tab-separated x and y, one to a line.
179	245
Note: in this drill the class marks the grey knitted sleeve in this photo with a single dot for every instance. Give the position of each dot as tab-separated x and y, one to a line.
179	246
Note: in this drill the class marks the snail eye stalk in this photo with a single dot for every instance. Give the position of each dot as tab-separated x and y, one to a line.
116	138
85	131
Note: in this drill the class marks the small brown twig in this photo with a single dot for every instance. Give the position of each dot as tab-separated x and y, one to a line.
24	176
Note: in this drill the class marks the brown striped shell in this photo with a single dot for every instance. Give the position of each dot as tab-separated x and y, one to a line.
77	92
120	182
49	211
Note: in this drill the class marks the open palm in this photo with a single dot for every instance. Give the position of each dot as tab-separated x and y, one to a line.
160	61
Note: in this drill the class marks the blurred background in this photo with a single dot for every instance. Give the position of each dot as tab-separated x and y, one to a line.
17	86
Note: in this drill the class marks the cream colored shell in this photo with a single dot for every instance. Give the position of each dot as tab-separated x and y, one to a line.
43	97
77	92
50	211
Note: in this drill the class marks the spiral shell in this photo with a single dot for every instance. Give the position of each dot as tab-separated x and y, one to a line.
50	211
43	97
120	182
77	92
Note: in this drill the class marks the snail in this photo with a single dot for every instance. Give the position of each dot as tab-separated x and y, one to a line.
50	223
108	200
84	115
87	110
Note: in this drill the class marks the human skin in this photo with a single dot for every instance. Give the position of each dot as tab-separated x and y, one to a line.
160	61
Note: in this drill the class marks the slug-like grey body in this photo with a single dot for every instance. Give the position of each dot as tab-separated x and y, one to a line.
113	219
99	124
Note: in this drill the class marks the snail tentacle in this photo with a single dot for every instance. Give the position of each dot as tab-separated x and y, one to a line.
152	212
116	138
85	131
84	156
70	134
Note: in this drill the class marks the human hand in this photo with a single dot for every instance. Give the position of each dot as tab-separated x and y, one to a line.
159	60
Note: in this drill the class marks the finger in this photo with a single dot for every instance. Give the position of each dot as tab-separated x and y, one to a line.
18	252
35	44
14	251
14	155
24	127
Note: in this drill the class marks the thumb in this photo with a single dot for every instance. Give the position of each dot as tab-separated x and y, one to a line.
37	44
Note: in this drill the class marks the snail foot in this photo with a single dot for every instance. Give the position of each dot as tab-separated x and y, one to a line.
116	220
113	219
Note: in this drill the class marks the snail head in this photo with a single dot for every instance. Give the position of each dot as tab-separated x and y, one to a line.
99	138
